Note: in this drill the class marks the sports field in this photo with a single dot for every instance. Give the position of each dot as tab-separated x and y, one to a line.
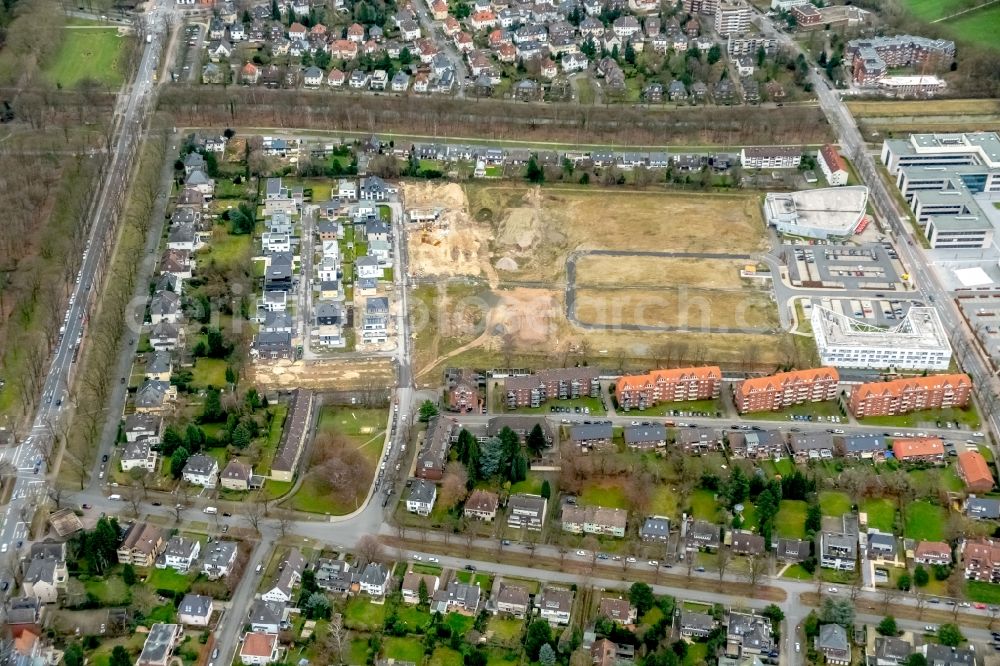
979	27
94	53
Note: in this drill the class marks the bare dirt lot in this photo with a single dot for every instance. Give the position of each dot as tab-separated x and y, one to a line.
346	374
595	270
686	309
503	251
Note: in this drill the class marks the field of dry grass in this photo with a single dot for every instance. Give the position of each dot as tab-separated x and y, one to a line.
937	107
683	308
595	270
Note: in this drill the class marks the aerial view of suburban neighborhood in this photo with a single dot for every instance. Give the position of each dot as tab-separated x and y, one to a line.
500	332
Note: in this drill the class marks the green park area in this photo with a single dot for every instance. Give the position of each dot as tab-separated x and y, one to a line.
89	53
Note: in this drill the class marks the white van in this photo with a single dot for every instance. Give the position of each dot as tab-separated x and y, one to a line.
211	510
114	498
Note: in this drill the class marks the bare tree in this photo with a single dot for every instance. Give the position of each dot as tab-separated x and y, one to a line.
454	484
140	477
757	566
370	548
284	523
335	637
253	512
133	495
722	562
56	492
888	594
591	545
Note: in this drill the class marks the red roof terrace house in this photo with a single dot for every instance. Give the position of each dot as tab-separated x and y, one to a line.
675	385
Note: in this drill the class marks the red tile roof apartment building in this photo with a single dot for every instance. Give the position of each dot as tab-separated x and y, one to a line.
910	394
764	394
975	472
676	385
561	383
916	449
981	559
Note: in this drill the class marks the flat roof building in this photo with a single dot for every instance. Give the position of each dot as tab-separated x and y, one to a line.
919	342
823	213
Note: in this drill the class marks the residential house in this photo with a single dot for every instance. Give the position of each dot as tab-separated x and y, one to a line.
195	610
655	529
334	575
747	543
748	634
153	396
142	544
289	574
259	649
143	427
44	576
411	586
702	535
421	498
770	157
267	616
138	455
936	654
463	394
865	446
201	470
785	389
236	476
918	449
881	546
594	520
555	605
982	508
457	598
839	550
512	600
374	188
526	511
889	651
699	439
434	452
932	552
374	579
589	436
159	366
645	437
159	645
482	505
756	444
810	445
617	610
219	559
973	469
910	394
693	624
179	554
792	550
563	384
832	643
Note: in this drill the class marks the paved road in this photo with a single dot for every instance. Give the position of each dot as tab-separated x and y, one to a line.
131	113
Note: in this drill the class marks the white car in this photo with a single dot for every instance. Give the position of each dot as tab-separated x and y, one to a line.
832	590
798	647
630	560
418	558
432	559
930	628
653	563
581	553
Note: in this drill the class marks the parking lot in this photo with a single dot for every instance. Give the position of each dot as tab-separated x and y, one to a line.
871	266
883	310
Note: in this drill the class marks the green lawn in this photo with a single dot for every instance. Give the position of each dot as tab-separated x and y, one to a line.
797	572
607	494
791	518
362	428
460	624
833	503
209	372
360	613
663	409
358	652
664	502
826	408
594	404
505	630
503	658
226	249
168	579
881	513
445	657
987	593
979	26
968	417
428	569
928	10
484	580
704	506
269	447
88	54
403	649
531	485
413	617
696	655
925	521
111	591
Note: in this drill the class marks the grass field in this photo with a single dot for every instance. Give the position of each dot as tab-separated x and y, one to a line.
94	54
979	26
362	428
111	591
928	10
168	579
531	485
797	572
969	417
403	649
791	518
704	506
931	107
664	408
226	249
680	307
833	503
608	494
443	656
925	521
209	372
881	513
987	593
597	270
363	614
814	409
506	630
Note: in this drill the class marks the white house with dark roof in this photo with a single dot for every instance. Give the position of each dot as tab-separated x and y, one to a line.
374	579
195	610
201	470
180	554
421	498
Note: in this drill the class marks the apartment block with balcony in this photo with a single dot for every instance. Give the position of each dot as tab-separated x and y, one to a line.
675	385
775	392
